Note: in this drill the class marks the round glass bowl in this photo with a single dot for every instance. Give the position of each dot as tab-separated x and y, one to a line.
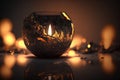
48	34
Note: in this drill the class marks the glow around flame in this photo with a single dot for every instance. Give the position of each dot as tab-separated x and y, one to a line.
108	35
9	39
20	43
72	53
50	30
77	40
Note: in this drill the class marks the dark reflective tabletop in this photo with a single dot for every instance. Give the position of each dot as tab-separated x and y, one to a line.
94	66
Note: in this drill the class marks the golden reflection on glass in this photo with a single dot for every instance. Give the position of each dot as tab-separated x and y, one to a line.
61	35
108	35
9	61
65	15
72	30
21	60
56	35
20	44
41	39
107	63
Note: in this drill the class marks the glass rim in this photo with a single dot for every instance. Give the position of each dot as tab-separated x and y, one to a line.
49	12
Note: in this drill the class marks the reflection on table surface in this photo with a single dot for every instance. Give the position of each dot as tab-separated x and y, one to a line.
96	66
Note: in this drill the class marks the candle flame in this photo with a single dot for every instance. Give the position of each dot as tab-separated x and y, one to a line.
50	30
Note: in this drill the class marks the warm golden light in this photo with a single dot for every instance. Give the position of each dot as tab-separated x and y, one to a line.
9	61
9	39
72	53
20	43
61	35
108	35
72	29
5	26
41	39
65	15
107	63
5	72
21	60
77	40
76	62
56	34
88	46
84	40
50	30
12	53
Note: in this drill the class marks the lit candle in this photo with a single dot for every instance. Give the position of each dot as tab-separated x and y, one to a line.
51	34
50	30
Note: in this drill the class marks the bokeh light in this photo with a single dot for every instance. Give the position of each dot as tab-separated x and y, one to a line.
9	39
21	60
77	41
5	27
107	63
9	60
108	35
20	43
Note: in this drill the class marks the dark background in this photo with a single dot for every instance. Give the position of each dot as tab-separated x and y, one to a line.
89	17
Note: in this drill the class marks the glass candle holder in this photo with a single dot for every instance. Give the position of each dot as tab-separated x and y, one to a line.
48	34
